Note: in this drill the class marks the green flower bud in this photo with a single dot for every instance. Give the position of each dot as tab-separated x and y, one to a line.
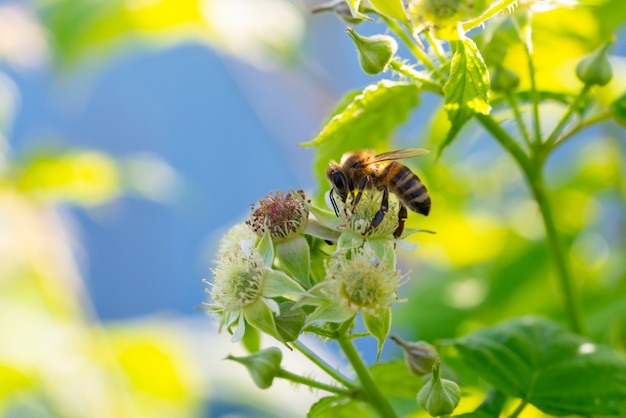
439	396
375	52
263	365
420	356
504	80
619	110
284	215
595	68
443	16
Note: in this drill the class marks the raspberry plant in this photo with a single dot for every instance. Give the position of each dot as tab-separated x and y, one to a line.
300	268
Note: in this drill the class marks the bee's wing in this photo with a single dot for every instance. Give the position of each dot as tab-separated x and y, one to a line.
399	154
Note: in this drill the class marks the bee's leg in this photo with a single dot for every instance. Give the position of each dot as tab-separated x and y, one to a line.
362	185
380	215
351	189
402	215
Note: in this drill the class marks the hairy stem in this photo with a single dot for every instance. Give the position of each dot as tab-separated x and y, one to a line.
292	377
331	371
423	79
371	392
487	14
411	44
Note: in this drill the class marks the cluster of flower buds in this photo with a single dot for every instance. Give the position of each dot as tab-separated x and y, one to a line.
274	273
294	267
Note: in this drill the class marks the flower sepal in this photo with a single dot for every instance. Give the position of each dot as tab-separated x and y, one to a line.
294	256
378	324
439	396
263	365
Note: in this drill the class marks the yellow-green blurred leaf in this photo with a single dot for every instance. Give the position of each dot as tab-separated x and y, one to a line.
87	177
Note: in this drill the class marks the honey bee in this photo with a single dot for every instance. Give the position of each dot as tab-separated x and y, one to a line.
364	170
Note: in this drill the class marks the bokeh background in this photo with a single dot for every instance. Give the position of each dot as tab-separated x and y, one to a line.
135	132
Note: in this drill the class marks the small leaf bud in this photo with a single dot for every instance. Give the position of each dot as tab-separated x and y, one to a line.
439	396
375	52
504	80
420	356
263	365
595	68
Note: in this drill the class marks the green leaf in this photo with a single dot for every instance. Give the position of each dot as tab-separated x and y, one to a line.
294	257
279	284
266	248
330	312
260	316
467	90
395	380
390	8
378	324
339	407
540	361
367	121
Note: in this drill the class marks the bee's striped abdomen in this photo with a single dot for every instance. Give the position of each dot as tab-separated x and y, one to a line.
408	187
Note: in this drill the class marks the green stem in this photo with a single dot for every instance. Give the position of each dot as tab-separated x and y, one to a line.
332	372
582	125
526	41
518	117
371	392
506	141
421	78
487	14
419	53
292	377
567	115
559	256
519	409
436	46
532	170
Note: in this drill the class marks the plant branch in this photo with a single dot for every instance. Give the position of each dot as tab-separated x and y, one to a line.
292	377
532	170
487	14
421	78
567	115
557	250
331	371
418	52
526	40
436	46
518	117
371	391
506	141
583	125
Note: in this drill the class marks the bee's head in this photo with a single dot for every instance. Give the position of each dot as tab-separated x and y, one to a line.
338	180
